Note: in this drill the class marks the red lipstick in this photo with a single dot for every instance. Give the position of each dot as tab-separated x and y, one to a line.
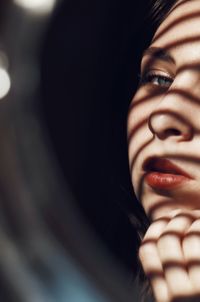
163	174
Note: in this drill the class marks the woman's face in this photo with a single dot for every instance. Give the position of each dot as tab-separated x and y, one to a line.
164	116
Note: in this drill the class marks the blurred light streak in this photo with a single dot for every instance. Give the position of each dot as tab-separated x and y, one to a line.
39	7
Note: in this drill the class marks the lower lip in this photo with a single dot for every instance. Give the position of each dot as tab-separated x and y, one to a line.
160	180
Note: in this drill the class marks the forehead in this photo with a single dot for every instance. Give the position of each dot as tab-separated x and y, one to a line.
181	28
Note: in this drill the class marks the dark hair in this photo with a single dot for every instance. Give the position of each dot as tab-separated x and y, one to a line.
160	9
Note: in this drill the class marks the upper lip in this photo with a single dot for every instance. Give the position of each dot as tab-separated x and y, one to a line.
163	165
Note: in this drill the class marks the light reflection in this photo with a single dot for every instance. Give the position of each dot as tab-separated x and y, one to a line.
5	83
37	6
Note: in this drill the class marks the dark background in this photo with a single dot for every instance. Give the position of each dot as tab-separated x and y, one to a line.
89	70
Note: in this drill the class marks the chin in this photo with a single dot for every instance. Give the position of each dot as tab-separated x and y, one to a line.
159	204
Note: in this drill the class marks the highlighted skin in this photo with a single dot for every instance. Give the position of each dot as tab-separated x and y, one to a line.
164	124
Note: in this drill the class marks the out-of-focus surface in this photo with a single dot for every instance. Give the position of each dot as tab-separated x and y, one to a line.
67	74
91	55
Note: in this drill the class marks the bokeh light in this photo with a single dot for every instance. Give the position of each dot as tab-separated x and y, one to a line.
5	83
37	6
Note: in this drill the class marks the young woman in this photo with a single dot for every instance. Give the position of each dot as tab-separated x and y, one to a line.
164	157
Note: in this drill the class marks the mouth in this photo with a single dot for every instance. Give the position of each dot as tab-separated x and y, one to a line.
161	173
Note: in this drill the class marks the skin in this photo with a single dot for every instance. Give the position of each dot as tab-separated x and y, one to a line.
164	121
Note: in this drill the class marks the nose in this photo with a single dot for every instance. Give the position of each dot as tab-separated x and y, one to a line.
166	124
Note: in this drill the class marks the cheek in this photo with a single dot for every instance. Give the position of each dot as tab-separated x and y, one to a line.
137	124
138	133
136	116
143	104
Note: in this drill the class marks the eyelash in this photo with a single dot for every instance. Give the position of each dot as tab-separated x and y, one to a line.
151	75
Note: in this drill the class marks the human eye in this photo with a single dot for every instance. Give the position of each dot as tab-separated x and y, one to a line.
156	78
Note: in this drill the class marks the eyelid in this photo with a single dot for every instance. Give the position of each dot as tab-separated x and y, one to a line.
156	71
147	64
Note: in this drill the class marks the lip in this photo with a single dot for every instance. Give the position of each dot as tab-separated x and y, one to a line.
161	173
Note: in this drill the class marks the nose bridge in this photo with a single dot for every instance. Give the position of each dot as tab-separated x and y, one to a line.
169	118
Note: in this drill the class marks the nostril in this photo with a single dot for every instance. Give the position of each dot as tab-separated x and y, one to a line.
166	125
169	132
172	131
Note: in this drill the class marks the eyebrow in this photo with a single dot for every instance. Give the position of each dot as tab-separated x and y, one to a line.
159	53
